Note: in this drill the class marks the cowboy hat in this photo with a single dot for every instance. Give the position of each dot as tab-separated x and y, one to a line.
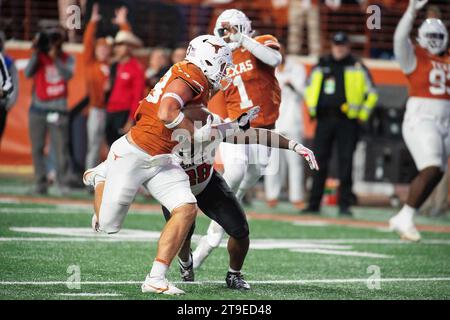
127	37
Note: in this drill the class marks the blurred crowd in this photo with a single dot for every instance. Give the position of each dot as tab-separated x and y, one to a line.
116	80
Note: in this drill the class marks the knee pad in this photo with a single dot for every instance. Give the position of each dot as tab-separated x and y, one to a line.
215	234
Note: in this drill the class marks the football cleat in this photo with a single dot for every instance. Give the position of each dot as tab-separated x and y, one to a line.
98	172
187	273
235	280
161	286
405	228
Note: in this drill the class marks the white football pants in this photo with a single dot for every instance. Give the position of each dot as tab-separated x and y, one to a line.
426	131
127	168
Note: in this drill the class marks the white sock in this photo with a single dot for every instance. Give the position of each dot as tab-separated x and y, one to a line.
407	212
233	271
187	263
159	270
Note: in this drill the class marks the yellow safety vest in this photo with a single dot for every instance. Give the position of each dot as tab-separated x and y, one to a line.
360	94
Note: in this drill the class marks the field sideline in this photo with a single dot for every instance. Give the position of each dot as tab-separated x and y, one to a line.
47	251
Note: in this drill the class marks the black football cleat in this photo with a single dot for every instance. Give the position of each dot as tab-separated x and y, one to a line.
187	273
235	280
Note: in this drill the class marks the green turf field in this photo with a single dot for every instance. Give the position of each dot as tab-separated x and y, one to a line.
45	241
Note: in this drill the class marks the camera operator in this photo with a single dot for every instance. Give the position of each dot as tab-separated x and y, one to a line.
9	85
51	69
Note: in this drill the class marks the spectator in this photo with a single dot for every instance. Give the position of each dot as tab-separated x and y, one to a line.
158	65
51	69
127	86
301	11
9	89
291	76
97	58
178	54
340	95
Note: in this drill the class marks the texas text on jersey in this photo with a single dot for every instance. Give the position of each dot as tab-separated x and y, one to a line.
254	84
149	133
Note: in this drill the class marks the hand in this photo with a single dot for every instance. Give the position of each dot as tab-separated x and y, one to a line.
54	52
416	5
234	34
94	223
121	16
95	15
244	119
204	133
308	155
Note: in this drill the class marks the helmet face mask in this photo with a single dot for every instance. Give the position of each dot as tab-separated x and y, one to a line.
212	55
236	19
433	36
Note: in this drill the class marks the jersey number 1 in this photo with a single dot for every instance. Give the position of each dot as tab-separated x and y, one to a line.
245	101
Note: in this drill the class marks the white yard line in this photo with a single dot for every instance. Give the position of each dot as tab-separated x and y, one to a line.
87	294
293	242
207	282
343	253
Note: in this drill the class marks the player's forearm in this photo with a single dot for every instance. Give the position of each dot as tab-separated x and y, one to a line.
260	136
267	55
174	118
403	48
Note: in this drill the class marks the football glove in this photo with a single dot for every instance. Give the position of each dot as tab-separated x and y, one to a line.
244	119
306	153
203	134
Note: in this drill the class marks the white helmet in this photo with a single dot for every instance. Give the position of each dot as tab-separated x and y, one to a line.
433	36
212	55
236	19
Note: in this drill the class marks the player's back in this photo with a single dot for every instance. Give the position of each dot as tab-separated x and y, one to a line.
431	77
254	84
150	133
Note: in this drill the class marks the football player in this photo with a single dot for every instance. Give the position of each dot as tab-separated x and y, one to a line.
213	195
144	155
426	125
254	84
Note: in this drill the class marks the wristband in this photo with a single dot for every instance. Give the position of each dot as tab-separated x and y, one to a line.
176	121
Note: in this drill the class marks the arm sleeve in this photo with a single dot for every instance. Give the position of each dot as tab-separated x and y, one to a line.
65	67
32	65
264	48
371	97
403	48
15	92
89	42
5	78
138	90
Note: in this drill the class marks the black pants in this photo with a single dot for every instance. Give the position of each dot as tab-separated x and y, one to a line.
114	122
220	204
345	133
3	115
